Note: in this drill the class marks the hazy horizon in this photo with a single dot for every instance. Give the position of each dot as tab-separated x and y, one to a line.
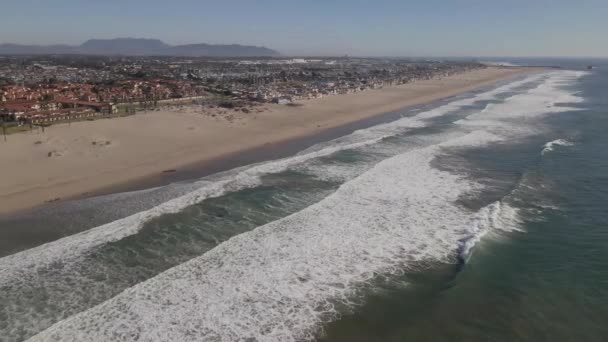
385	28
332	55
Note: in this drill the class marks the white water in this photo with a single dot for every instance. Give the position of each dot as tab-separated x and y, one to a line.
225	313
551	144
72	248
496	216
280	281
516	116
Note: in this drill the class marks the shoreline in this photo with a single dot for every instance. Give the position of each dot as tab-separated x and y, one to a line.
146	150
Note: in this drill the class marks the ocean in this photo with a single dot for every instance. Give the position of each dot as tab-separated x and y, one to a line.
482	217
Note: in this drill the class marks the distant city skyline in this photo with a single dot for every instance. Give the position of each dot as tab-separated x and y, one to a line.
384	28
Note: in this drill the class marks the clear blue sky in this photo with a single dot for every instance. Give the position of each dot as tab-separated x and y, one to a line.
325	27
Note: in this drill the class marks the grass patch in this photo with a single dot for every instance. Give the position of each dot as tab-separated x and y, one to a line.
15	129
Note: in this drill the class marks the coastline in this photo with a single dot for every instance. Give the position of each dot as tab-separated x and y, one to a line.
90	158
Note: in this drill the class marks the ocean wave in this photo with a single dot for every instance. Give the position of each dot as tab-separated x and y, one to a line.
247	178
548	147
496	216
232	181
345	172
281	281
421	119
59	264
58	256
510	118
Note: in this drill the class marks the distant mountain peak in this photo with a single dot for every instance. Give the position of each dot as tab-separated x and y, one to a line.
125	40
140	47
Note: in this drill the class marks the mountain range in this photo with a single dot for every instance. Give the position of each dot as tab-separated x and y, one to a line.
140	47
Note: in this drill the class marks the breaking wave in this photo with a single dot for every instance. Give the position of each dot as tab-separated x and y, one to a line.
516	116
551	144
496	216
73	246
283	280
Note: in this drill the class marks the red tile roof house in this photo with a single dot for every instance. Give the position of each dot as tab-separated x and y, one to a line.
96	106
14	110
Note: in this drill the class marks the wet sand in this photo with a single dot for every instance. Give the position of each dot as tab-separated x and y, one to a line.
68	161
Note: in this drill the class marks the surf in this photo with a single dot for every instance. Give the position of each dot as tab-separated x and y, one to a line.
65	255
548	147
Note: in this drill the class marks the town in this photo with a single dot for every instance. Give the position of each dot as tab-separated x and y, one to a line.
47	89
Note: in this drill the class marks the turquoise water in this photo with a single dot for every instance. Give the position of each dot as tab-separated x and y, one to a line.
482	217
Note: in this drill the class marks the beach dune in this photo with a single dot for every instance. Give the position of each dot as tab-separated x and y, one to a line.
67	161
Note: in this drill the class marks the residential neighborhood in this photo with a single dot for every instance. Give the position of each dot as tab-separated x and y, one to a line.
46	89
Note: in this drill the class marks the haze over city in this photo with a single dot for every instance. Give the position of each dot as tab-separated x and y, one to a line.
379	28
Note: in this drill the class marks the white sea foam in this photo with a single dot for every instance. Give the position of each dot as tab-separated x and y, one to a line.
510	117
379	132
400	211
280	281
420	119
59	263
551	144
496	216
72	247
69	249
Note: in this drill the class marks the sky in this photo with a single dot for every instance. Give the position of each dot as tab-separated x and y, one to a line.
523	28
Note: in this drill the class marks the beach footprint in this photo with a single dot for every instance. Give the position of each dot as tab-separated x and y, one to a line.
54	154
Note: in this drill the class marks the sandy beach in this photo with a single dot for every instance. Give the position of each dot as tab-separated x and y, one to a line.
66	161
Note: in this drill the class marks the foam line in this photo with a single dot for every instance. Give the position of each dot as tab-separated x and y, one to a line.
280	281
25	266
73	246
509	118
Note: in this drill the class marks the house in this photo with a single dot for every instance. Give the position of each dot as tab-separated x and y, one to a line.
96	106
